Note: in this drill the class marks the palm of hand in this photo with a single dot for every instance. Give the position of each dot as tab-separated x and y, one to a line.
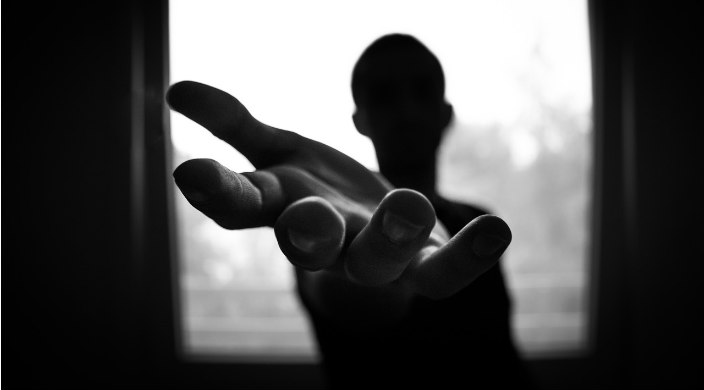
359	244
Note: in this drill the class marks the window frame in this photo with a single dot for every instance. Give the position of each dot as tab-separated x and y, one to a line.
612	165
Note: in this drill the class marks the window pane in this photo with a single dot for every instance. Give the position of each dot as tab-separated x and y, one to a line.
518	76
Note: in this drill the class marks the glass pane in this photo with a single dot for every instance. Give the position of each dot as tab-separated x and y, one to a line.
518	76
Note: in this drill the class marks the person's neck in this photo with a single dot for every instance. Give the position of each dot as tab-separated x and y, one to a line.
421	178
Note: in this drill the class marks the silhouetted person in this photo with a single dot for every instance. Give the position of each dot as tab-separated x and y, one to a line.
394	301
398	87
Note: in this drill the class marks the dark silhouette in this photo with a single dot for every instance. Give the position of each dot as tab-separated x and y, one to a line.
398	87
393	300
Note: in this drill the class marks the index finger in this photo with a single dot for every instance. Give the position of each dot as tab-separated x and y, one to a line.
266	146
231	199
228	119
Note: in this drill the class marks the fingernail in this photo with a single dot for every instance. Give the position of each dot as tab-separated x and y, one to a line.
486	245
399	229
302	241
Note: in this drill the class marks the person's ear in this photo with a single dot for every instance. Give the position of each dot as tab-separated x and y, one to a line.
359	122
447	113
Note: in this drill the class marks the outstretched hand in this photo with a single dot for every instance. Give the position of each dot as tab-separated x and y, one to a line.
331	215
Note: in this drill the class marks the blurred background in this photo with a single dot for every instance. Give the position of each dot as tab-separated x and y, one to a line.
519	77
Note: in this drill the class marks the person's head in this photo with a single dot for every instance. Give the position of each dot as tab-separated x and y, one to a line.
398	87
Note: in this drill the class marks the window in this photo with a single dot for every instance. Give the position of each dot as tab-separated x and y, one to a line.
518	76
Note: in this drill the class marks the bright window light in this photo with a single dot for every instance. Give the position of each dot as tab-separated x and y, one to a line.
518	75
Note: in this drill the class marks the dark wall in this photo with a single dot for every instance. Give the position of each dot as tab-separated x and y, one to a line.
648	321
66	207
85	272
74	299
663	88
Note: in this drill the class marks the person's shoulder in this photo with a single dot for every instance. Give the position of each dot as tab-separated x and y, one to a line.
466	209
455	215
